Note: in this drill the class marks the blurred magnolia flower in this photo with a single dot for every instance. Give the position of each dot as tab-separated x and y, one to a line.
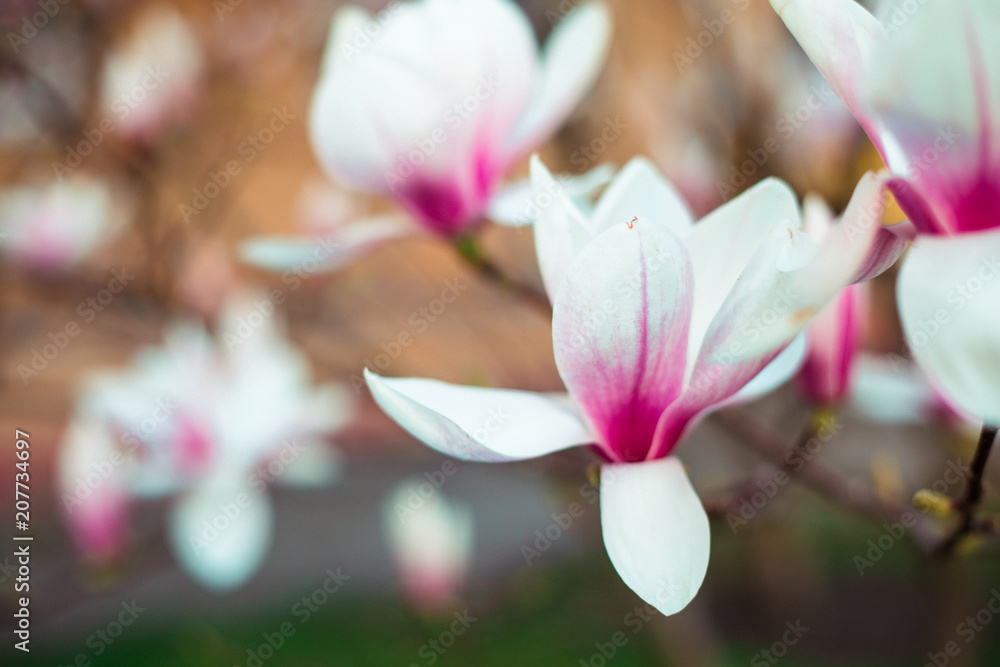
636	286
925	85
834	338
431	543
432	101
56	226
153	78
211	422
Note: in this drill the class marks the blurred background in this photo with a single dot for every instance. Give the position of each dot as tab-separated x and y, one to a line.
335	587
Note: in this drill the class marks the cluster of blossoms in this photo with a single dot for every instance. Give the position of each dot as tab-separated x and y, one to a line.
657	319
210	425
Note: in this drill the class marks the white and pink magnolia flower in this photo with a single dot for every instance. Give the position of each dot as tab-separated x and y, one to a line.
210	422
834	338
153	78
431	543
656	322
431	102
924	82
55	227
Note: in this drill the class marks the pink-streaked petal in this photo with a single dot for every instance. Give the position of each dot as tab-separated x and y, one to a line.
476	423
843	40
724	242
571	61
620	330
888	246
640	190
834	340
778	296
782	369
326	252
655	530
936	93
467	72
948	292
222	551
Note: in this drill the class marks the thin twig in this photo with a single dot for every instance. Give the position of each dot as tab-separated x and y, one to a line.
469	250
818	477
967	504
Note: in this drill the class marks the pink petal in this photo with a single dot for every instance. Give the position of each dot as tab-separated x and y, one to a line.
620	328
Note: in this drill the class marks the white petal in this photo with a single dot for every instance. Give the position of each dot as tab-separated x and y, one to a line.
435	56
476	423
314	463
561	231
655	530
723	243
573	57
948	293
514	206
220	532
778	372
324	253
891	391
843	41
779	295
640	190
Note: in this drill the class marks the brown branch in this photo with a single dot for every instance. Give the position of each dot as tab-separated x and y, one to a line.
821	479
967	504
469	250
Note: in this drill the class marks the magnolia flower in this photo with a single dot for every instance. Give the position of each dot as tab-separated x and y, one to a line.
432	101
925	84
153	78
834	338
55	227
208	426
431	541
656	322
